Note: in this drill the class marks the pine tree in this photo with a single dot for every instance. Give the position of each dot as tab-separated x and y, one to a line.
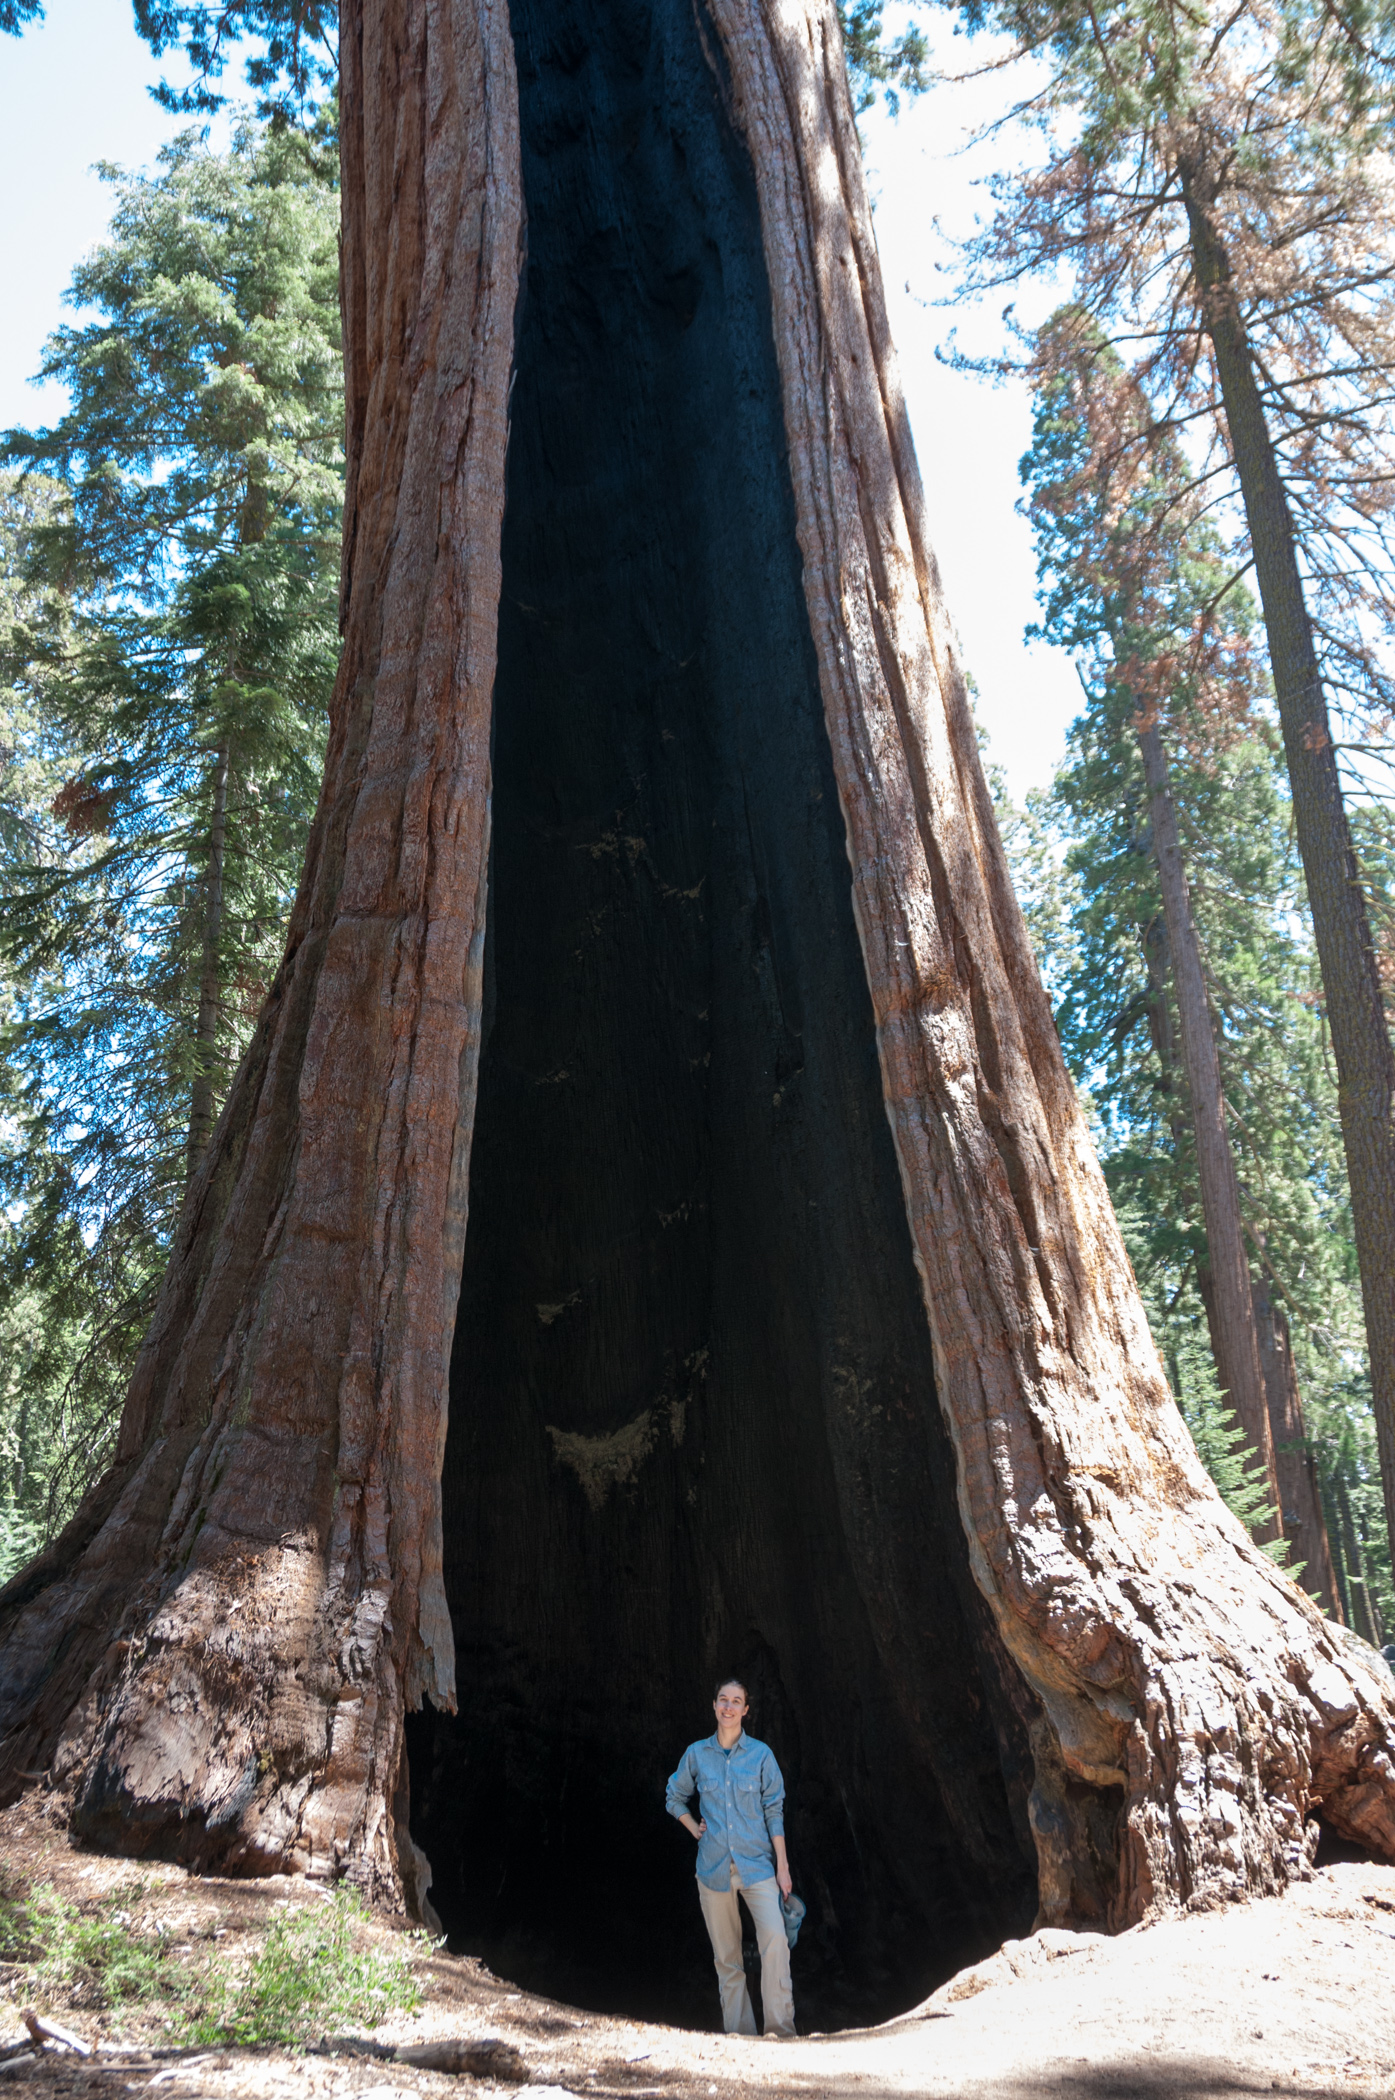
172	556
33	1348
876	65
1219	1438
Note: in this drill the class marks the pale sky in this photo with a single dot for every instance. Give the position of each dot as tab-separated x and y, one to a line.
74	92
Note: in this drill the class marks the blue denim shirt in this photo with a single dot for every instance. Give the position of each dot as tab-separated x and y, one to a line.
742	1802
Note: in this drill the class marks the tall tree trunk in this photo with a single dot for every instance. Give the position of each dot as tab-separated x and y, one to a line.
1305	1525
1341	924
1332	1514
1157	958
281	1449
206	1023
1365	1617
1235	1334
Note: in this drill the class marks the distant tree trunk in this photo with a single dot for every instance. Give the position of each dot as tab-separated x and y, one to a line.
215	1657
1305	1525
21	1446
1341	924
1339	1567
1364	1616
1272	1412
206	1023
1235	1334
1158	961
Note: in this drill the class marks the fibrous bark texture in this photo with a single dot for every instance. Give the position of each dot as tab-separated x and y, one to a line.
214	1656
983	1587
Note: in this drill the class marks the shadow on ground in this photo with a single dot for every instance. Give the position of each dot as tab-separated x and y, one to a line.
1169	2078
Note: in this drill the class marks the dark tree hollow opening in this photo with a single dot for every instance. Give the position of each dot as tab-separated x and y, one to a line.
693	1426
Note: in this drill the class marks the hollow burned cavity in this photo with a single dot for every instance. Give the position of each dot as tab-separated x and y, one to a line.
693	1425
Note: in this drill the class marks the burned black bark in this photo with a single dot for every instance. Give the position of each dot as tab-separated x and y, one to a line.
692	1415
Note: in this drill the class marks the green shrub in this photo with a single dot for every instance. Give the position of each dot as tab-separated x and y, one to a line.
97	1957
310	1979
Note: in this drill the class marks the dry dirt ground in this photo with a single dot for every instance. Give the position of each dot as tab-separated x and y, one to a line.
1294	1995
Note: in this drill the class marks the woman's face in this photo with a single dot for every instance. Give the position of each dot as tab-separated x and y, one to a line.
730	1706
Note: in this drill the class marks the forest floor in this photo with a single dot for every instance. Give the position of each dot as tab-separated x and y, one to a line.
151	1967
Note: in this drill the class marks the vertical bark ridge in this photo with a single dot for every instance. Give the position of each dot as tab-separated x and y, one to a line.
216	1653
1174	1661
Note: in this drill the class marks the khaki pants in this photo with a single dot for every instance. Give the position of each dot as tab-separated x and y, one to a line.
723	1921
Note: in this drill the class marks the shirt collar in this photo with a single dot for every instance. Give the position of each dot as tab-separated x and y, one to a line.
717	1744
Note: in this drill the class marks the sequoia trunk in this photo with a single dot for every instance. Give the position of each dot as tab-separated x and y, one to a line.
796	1316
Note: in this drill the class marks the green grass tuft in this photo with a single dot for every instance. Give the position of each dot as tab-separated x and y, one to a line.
310	1976
97	1957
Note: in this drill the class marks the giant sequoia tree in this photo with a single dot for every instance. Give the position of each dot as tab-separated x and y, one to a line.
655	966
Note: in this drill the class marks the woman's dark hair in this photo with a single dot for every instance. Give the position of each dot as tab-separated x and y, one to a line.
722	1682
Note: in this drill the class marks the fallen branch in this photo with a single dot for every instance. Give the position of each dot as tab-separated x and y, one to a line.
480	2058
45	2031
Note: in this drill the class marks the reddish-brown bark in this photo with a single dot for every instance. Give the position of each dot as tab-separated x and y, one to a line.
217	1654
217	1651
1175	1662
